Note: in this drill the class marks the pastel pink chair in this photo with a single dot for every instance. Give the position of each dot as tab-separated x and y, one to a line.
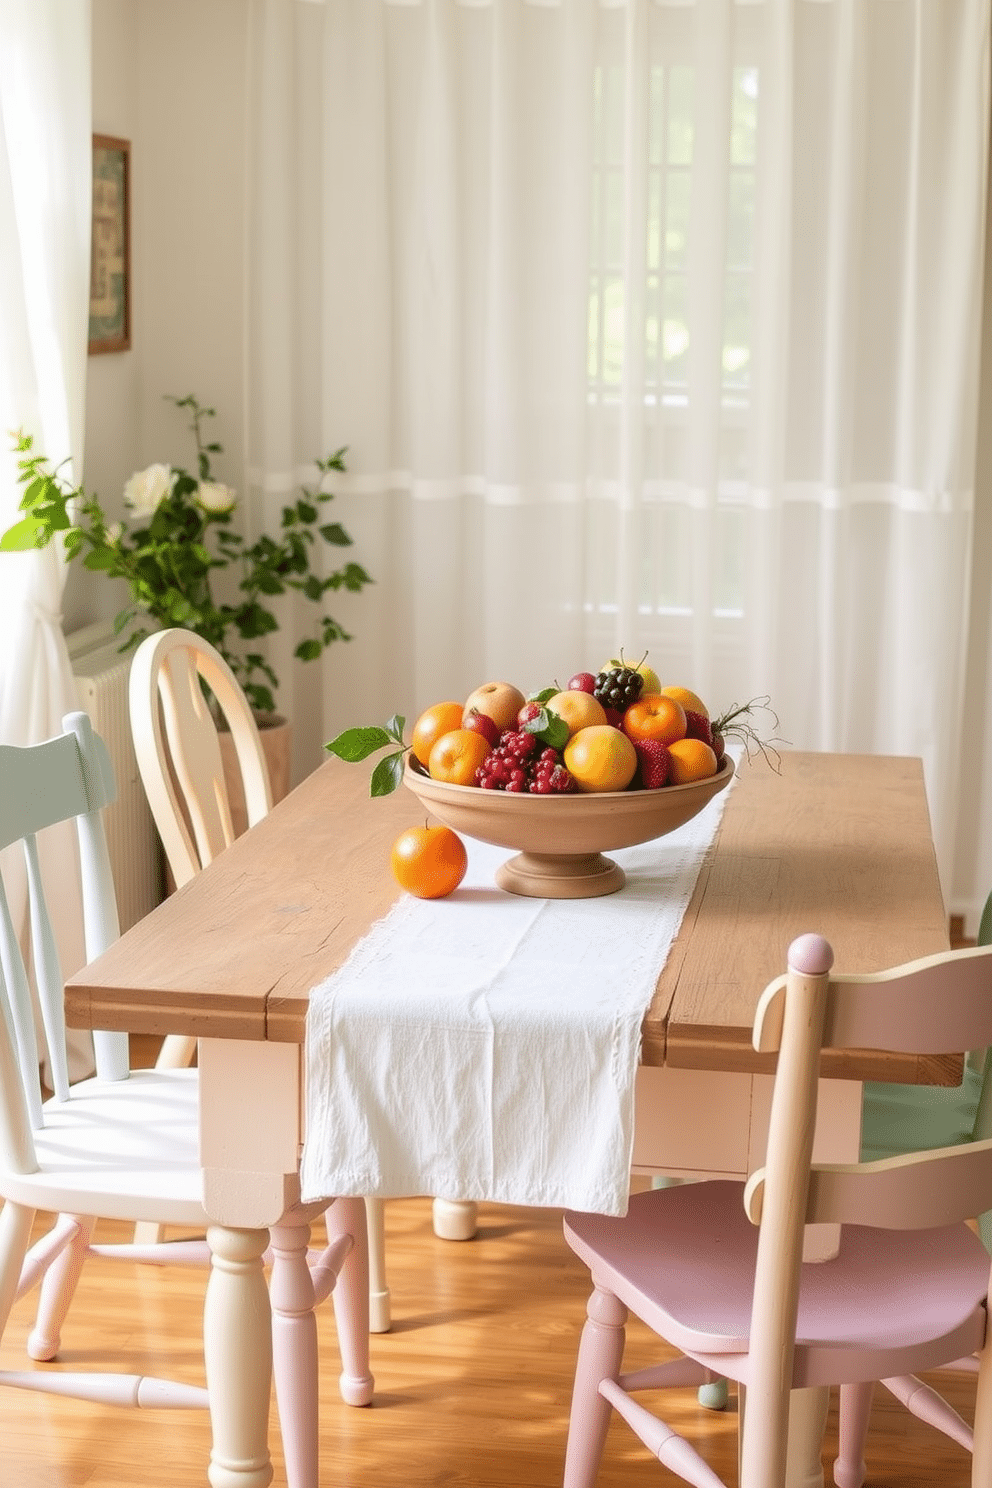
124	1146
716	1269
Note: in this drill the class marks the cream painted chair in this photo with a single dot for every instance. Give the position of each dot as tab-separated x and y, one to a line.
124	1146
716	1268
179	757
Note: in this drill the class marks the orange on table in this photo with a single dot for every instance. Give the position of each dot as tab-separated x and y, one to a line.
691	760
601	758
690	701
457	755
655	716
438	719
429	862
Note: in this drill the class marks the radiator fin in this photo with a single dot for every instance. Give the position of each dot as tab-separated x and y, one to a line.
135	855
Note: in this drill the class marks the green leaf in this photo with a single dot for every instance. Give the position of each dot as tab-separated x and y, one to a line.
356	744
395	727
336	534
313	588
308	650
544	695
30	533
549	728
387	775
99	560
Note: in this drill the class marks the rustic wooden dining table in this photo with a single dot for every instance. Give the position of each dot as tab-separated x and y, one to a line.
838	844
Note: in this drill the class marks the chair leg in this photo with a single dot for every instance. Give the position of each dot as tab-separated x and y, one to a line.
15	1236
853	1417
351	1301
294	1348
380	1319
58	1288
981	1451
600	1356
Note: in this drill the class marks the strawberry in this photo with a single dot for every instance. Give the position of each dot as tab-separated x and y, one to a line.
654	763
698	727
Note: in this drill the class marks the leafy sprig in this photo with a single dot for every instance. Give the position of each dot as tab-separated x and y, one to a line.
356	744
167	559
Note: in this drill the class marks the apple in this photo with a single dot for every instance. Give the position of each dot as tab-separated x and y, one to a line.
582	682
578	709
481	723
652	682
500	701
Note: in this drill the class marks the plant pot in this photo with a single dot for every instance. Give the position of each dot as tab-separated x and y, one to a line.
276	736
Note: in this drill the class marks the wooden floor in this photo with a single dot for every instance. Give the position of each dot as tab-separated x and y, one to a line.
472	1384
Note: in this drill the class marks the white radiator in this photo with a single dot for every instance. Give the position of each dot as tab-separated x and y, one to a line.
135	856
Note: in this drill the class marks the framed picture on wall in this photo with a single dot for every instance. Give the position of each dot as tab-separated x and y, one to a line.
110	258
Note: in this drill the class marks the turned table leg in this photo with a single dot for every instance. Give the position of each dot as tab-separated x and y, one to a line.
237	1346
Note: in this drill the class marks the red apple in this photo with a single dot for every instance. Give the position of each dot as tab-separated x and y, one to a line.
582	682
481	723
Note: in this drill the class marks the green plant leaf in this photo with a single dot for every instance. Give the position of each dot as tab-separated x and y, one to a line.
308	650
356	744
387	775
24	535
334	533
395	726
549	728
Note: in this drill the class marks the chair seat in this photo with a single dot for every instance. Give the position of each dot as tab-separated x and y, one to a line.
125	1149
858	1318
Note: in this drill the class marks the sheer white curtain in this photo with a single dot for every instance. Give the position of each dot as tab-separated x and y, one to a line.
647	324
45	196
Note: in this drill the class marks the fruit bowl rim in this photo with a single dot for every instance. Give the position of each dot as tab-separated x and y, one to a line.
419	772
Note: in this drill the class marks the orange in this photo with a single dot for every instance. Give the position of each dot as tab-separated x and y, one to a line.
691	760
429	861
691	701
436	720
601	758
655	716
456	756
577	709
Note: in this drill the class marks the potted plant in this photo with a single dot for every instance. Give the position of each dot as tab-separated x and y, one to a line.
178	537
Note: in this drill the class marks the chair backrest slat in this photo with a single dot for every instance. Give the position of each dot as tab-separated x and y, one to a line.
178	750
18	1016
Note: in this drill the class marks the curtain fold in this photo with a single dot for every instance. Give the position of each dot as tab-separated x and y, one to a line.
45	209
647	325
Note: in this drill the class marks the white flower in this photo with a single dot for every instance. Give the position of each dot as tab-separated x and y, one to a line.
214	496
148	488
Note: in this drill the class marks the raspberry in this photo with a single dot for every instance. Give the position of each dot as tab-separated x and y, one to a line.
654	764
520	764
618	687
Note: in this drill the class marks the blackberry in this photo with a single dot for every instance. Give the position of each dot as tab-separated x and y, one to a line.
618	687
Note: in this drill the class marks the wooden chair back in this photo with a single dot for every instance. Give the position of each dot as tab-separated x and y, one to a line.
938	1004
66	778
177	746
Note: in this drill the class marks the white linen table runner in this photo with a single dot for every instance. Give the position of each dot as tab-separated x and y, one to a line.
485	1046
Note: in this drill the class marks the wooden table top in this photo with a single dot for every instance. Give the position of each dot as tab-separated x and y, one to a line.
839	844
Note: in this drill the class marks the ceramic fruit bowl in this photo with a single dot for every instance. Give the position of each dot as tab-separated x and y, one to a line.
562	839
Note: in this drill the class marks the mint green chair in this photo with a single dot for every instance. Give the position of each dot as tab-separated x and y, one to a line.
906	1118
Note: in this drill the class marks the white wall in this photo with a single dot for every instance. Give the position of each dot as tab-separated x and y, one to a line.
169	76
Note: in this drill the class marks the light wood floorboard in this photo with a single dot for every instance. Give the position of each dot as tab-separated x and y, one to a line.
473	1382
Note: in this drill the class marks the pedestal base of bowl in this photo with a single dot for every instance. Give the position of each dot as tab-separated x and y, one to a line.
560	875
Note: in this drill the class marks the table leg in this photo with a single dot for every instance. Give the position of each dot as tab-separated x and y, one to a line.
237	1346
455	1219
